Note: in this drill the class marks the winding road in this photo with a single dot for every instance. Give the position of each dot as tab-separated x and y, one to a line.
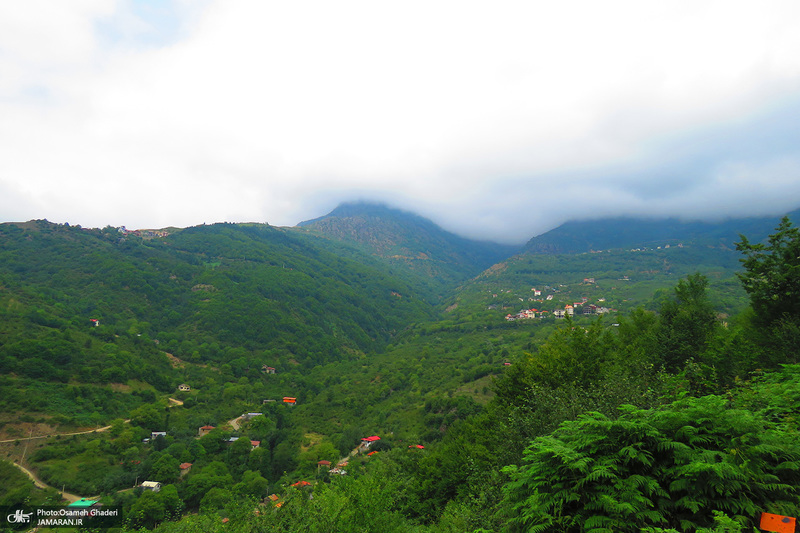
42	485
98	430
38	482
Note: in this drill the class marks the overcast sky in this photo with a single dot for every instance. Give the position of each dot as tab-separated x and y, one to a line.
496	120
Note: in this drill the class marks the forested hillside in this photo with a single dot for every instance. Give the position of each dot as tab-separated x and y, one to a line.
408	241
243	367
102	306
595	235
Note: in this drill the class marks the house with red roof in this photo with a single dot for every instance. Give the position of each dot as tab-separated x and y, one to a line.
185	467
367	441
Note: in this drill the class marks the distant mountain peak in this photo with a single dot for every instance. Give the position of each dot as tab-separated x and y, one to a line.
366	209
404	238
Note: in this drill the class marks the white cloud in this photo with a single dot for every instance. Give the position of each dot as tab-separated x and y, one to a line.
499	120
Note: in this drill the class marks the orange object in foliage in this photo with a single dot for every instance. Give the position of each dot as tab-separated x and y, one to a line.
777	523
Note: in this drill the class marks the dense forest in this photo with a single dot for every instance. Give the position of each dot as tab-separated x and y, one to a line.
274	379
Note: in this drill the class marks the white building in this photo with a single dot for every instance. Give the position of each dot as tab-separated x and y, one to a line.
155	486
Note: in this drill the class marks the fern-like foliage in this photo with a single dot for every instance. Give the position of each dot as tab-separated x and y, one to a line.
655	470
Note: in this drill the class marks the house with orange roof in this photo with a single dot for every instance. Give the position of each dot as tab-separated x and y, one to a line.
205	430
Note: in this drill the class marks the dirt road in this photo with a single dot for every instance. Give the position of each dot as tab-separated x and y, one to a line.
42	485
98	430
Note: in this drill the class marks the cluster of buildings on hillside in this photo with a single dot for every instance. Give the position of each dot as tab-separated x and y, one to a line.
569	310
322	465
581	307
145	233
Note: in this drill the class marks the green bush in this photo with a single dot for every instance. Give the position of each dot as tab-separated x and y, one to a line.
656	468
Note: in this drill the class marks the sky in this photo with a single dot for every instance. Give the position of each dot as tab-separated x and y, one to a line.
495	120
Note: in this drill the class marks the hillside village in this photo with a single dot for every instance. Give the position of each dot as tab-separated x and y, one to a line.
579	307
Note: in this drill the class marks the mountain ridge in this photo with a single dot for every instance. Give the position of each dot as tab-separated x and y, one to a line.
406	239
626	232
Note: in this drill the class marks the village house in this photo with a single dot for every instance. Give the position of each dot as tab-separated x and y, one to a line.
85	503
155	486
185	467
523	315
205	430
248	416
289	400
267	369
156	434
366	442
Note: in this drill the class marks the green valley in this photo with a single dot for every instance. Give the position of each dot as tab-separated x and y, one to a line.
240	368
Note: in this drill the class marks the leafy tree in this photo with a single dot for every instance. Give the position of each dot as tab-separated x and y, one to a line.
252	484
214	441
237	455
261	428
215	499
173	505
260	460
448	471
772	274
687	322
166	469
772	280
148	510
148	416
214	474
